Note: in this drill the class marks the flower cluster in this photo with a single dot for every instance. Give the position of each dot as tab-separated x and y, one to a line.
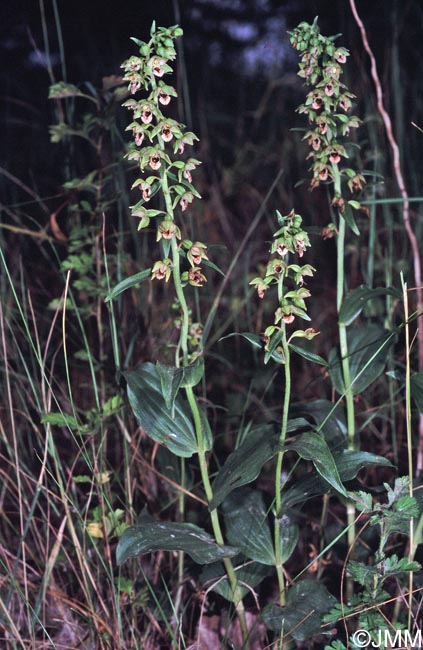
157	140
327	104
289	238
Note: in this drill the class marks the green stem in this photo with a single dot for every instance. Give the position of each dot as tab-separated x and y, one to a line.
278	473
343	344
217	530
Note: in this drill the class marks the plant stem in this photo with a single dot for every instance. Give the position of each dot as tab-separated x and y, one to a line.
278	473
200	433
343	344
217	530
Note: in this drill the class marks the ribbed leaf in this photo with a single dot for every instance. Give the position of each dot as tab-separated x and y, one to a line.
161	536
170	381
127	283
246	522
357	299
348	463
244	464
329	419
349	218
146	399
310	356
312	446
368	349
193	373
307	602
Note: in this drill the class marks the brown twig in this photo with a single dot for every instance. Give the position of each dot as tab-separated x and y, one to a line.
406	209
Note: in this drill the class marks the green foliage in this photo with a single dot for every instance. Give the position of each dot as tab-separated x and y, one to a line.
171	427
301	618
74	476
148	536
368	350
247	525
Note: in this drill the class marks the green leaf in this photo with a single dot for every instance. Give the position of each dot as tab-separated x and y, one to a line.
128	283
306	354
417	390
255	340
312	446
329	419
170	381
193	373
162	536
244	464
356	300
348	463
59	420
249	576
349	218
307	602
213	266
146	399
246	522
368	349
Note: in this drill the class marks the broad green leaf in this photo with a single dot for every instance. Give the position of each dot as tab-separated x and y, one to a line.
368	349
417	390
193	373
128	283
244	464
312	446
146	399
356	300
249	576
307	602
348	463
329	419
170	381
59	419
162	536
306	354
246	522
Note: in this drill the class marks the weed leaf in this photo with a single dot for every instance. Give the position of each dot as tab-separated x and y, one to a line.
245	463
157	536
247	525
368	349
127	283
357	299
348	463
311	446
307	602
146	399
170	381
